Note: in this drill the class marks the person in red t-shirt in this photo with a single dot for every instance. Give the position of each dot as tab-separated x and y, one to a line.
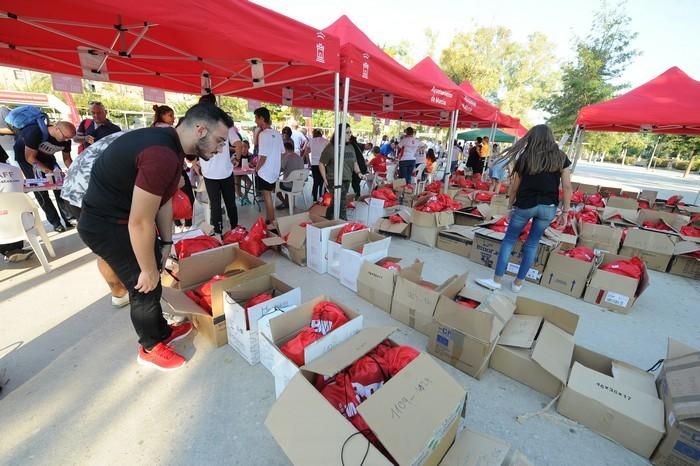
377	162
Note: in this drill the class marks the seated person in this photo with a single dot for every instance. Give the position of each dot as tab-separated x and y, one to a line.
290	161
377	161
430	162
241	153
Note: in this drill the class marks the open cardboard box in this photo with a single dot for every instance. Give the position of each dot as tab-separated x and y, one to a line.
472	448
242	332
566	274
369	210
385	226
585	188
457	239
376	284
683	263
537	345
600	238
610	191
465	338
620	211
282	328
415	299
673	221
415	414
196	270
565	241
346	258
649	196
679	389
317	235
425	226
613	291
656	249
294	246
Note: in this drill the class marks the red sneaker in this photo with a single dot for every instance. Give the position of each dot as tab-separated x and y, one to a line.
162	357
178	332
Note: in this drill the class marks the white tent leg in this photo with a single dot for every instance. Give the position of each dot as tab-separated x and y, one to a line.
653	153
450	148
577	153
339	179
336	138
573	141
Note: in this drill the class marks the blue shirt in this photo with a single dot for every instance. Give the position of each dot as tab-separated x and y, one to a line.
385	149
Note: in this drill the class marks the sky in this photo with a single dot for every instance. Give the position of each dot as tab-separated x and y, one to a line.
669	31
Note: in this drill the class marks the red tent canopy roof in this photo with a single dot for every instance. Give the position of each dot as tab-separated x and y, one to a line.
668	103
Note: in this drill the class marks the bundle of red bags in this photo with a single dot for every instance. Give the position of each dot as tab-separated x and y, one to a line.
348	228
434	187
252	243
483	196
674	200
182	207
595	200
389	265
396	218
501	226
690	230
633	268
325	318
481	185
439	203
567	229
387	195
577	197
581	253
462	182
235	236
202	295
186	247
588	215
660	225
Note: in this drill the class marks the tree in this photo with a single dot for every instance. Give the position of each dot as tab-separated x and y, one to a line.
601	58
401	52
431	37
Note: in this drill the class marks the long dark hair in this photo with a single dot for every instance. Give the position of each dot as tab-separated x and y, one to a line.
537	152
159	112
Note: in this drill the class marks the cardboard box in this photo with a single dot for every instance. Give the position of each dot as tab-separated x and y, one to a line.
683	263
615	292
415	415
357	248
294	246
465	338
317	235
656	249
241	338
415	299
456	239
565	241
620	211
479	213
678	387
472	448
620	403
610	191
196	270
585	188
287	325
566	274
673	221
600	238
376	284
649	196
425	226
537	346
369	210
385	226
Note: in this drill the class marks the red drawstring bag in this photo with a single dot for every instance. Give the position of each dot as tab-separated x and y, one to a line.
252	243
235	236
459	172
577	197
588	215
341	395
204	292
657	226
467	302
643	203
182	207
396	218
294	348
483	196
595	200
500	226
399	357
387	195
690	230
186	247
192	294
673	200
254	301
326	317
439	203
434	187
633	268
367	375
391	266
348	228
462	183
327	199
581	253
481	185
503	189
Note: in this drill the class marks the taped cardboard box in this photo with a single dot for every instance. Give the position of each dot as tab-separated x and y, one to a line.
612	291
415	299
472	448
237	265
287	325
620	403
387	227
425	225
291	242
686	260
242	321
566	274
600	238
679	388
364	246
537	345
620	211
457	239
655	249
463	337
376	284
415	415
317	235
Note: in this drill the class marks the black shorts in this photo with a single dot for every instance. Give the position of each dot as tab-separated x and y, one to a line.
263	185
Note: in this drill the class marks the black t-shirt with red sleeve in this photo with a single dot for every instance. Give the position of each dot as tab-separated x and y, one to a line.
150	158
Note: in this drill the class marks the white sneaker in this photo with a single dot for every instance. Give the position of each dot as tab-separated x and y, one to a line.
120	302
19	255
488	283
515	288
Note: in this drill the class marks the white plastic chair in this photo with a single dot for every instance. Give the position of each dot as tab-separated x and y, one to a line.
19	220
418	173
298	179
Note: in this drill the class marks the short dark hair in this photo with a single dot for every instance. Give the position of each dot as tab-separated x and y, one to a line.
208	99
375	150
246	142
479	139
288	145
207	113
263	113
287	131
317	133
409	131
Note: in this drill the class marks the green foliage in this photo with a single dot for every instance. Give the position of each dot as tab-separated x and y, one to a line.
683	165
401	52
661	162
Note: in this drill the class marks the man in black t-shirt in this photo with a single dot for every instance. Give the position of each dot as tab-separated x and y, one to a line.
35	156
92	130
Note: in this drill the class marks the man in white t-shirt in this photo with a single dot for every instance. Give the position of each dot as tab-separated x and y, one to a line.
267	169
313	152
12	181
408	148
298	138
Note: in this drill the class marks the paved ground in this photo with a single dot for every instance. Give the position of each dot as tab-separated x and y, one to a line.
75	395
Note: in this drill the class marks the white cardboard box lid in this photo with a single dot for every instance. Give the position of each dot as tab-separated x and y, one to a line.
553	351
520	331
472	448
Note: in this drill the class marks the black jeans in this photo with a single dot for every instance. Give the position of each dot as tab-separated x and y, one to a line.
356	185
406	168
4	248
44	200
345	187
317	189
187	189
216	189
112	243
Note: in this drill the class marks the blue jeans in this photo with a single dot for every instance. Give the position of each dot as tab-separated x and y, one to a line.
541	215
406	168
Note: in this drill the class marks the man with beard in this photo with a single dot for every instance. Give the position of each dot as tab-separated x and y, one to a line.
127	216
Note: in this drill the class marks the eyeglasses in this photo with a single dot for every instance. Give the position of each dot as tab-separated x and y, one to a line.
63	136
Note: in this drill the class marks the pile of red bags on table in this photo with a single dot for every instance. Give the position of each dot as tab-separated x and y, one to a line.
633	268
577	197
434	187
674	200
252	243
439	203
348	228
254	301
481	185
325	318
387	195
182	207
462	182
483	196
389	265
202	295
396	218
588	215
581	253
235	236
690	230
595	200
186	247
467	302
660	225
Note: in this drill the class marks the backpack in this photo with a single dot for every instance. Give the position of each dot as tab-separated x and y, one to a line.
85	124
21	117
